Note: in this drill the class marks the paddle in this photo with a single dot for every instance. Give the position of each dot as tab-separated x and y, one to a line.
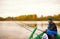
38	36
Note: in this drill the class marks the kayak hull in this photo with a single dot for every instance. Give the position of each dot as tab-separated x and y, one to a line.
40	35
58	36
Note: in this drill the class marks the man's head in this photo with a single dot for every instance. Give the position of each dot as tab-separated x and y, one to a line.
50	19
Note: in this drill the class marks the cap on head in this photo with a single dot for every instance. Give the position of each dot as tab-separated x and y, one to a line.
50	19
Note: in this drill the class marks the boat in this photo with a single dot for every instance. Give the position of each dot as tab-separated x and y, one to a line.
40	35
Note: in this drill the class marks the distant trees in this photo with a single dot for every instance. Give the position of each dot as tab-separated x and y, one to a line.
1	19
55	17
26	18
8	19
32	17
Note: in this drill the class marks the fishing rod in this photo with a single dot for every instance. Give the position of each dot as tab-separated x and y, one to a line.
38	36
27	28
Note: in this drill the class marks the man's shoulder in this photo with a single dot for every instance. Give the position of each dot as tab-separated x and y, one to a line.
52	23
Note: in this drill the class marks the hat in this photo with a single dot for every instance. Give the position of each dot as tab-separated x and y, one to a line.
50	19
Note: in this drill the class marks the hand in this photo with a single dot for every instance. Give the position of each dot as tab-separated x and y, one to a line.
44	31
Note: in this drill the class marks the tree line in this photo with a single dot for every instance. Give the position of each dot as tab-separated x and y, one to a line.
32	17
45	18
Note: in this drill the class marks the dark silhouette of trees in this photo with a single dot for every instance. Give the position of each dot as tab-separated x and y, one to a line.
9	19
32	17
1	19
55	18
26	18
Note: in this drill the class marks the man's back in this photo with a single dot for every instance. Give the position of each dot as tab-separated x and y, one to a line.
52	26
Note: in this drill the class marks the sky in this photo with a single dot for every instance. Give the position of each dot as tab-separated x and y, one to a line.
25	7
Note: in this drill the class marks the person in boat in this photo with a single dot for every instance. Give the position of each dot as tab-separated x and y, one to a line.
51	30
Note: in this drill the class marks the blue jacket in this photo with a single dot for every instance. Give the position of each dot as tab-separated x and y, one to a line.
52	29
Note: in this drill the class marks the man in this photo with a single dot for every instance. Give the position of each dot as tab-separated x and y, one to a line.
52	29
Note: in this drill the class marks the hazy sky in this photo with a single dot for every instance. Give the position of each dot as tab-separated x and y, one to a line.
22	7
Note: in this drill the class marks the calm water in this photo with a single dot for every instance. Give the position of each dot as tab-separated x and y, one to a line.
15	29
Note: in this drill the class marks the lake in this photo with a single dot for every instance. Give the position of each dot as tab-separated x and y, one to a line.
15	29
